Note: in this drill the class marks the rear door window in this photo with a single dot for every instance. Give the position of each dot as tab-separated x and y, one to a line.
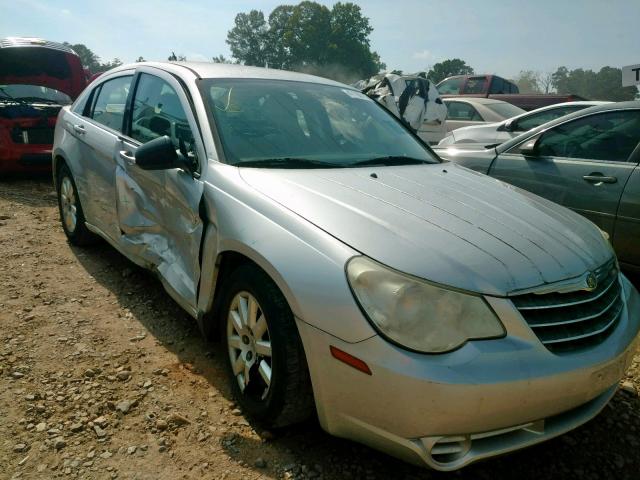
537	119
109	102
462	111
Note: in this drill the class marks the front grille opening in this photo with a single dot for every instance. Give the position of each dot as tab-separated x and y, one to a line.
577	320
33	135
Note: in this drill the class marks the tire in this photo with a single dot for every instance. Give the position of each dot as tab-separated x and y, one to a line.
287	398
71	214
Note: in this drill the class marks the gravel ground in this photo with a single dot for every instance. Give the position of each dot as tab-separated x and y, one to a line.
103	376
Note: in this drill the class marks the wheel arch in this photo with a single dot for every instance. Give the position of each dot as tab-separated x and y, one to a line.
225	263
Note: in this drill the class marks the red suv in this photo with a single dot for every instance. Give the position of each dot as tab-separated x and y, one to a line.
37	78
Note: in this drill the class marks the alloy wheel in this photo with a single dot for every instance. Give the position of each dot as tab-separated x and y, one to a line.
249	346
68	203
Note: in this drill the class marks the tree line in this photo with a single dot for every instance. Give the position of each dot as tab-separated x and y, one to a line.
335	42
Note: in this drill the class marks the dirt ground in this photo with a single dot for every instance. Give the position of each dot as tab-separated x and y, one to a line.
103	376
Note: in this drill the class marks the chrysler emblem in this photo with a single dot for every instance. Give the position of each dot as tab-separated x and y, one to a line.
592	281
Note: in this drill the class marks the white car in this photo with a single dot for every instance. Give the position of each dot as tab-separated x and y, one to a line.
467	111
499	132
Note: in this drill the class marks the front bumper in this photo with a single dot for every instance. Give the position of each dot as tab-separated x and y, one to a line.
486	398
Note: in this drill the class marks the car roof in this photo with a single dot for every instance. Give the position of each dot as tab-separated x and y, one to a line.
225	70
634	104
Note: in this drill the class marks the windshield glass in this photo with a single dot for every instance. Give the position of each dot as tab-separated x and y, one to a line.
286	124
33	94
504	109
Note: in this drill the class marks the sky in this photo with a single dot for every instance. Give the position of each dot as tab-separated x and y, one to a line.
493	36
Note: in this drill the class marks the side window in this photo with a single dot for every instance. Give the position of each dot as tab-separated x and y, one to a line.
608	136
451	86
109	102
538	119
157	111
462	111
498	85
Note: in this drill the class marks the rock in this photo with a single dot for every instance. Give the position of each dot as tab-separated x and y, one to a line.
177	419
100	421
132	450
99	431
76	427
161	424
236	411
20	447
41	427
147	384
17	375
59	443
123	375
629	387
124	406
260	463
106	454
89	373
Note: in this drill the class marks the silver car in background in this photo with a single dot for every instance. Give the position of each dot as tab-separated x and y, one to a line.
588	161
499	132
465	112
415	306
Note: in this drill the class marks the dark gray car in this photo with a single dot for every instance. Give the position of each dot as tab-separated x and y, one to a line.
587	161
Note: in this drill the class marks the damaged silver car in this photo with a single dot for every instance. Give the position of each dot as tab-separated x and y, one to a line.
415	306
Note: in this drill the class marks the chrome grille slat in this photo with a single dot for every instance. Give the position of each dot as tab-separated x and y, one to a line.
569	304
577	319
586	335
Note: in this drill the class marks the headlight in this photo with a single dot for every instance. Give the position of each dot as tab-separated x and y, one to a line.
416	314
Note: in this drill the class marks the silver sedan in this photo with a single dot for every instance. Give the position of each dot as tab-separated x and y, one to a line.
415	306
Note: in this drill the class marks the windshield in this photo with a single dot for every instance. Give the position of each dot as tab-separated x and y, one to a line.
33	94
286	124
504	109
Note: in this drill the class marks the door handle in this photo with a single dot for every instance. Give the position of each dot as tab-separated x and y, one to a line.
598	178
128	157
79	129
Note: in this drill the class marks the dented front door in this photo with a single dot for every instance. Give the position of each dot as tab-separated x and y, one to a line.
159	211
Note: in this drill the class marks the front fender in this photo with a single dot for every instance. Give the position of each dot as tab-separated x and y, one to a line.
306	263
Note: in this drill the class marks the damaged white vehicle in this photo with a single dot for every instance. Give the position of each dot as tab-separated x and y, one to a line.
415	306
413	99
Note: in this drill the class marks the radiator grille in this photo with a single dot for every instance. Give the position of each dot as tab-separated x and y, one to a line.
575	320
33	135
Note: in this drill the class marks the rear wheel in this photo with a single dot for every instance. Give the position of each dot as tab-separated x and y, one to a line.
265	357
71	214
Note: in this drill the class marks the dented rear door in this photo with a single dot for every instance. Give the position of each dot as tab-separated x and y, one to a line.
159	211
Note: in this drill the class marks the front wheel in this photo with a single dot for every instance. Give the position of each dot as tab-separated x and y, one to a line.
71	214
265	357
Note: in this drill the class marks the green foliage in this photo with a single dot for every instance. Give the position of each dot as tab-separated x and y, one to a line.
603	85
528	81
90	60
307	37
448	68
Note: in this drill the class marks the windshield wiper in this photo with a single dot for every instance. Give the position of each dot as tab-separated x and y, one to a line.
391	160
286	162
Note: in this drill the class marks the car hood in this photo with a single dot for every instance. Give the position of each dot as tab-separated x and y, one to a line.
443	223
42	66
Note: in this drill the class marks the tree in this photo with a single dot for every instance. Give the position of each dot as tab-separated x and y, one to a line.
448	68
176	58
603	85
89	59
545	80
528	81
221	59
140	59
307	37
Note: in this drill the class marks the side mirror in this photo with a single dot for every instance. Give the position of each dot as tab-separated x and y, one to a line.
508	126
530	147
160	154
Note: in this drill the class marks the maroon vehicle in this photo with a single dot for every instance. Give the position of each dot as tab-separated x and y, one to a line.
37	78
493	86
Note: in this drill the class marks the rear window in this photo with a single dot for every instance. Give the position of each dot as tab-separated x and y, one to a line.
475	85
